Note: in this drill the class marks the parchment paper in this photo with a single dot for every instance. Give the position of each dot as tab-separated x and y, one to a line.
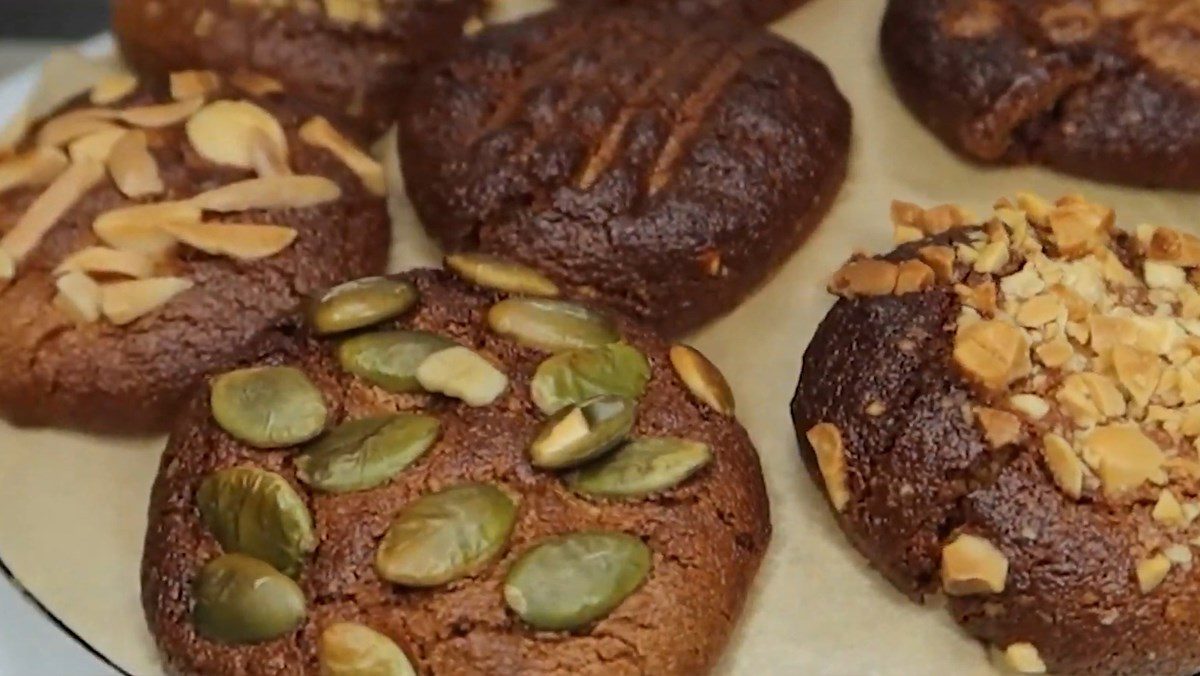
72	508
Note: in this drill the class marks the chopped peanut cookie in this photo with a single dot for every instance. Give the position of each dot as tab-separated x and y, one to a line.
149	230
662	169
428	476
1019	430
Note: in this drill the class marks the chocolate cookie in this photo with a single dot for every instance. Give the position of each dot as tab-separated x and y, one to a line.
145	237
1007	414
657	168
756	11
1106	90
444	478
350	57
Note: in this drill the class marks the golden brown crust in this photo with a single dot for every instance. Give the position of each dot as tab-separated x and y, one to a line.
707	535
1067	536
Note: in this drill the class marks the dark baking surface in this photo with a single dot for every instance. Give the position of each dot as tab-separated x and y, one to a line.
341	68
922	471
708	535
1057	83
107	378
660	169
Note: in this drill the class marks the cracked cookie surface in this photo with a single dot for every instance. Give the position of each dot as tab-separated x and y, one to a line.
706	533
1007	413
135	255
662	169
1106	89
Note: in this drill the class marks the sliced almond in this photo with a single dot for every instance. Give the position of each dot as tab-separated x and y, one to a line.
50	207
32	169
103	260
133	168
320	133
95	146
1152	571
256	84
243	242
973	565
993	352
8	267
1064	464
231	132
13	131
913	276
112	88
827	444
140	227
464	374
865	277
1124	457
161	114
273	192
1000	428
125	302
194	84
61	130
78	297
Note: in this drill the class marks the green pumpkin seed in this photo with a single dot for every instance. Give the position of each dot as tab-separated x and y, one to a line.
702	378
366	453
460	373
575	376
500	274
362	302
447	535
551	325
572	580
268	406
579	433
641	467
390	359
351	649
256	512
239	599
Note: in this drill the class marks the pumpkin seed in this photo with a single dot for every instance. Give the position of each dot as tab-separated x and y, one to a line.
351	649
255	512
362	302
366	453
575	376
641	467
460	373
572	580
503	275
579	433
551	325
447	535
239	599
702	378
268	406
390	359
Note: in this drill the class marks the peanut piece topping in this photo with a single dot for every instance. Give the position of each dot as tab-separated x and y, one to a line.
1124	457
865	277
1000	428
1064	465
1152	571
973	565
826	440
993	352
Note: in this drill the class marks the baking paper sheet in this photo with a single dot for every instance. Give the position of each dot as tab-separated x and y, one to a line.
72	507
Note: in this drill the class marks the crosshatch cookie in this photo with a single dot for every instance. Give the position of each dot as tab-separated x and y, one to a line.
146	236
1107	89
656	168
353	58
1008	414
434	477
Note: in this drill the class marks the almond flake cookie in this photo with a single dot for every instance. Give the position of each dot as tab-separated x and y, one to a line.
423	475
1107	89
1008	413
351	58
662	169
149	230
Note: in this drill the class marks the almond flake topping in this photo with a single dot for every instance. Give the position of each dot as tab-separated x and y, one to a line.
133	168
194	84
235	133
34	168
78	297
320	133
274	192
103	260
113	88
50	207
126	302
243	242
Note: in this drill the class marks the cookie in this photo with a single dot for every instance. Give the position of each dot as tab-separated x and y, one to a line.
662	170
1006	414
1107	90
350	57
145	238
457	481
756	11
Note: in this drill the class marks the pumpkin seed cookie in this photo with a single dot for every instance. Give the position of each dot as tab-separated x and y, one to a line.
353	58
1107	89
1008	414
659	168
430	476
148	231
